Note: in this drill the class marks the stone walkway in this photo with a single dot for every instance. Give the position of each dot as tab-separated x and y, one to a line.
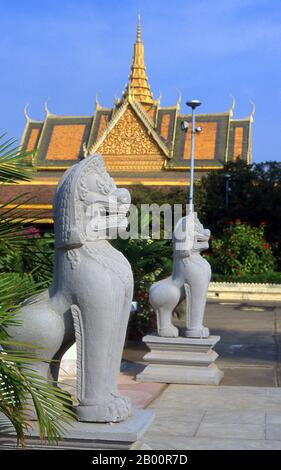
190	417
250	346
243	412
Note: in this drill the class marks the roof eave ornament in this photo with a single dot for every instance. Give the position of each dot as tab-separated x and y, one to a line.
47	111
128	98
158	100
97	103
131	96
179	99
85	150
232	105
252	111
27	117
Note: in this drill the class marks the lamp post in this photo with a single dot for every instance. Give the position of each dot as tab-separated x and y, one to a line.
193	104
227	178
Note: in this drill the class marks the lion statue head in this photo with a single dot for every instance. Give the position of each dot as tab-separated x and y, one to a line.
190	236
88	205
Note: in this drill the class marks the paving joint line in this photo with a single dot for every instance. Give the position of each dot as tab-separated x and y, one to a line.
201	420
158	396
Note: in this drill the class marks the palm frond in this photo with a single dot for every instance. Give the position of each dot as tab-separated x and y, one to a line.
14	161
21	389
13	228
14	288
20	386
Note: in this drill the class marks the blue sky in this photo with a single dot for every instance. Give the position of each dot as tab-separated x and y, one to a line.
66	51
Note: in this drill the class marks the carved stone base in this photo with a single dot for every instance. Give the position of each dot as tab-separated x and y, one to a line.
90	436
181	360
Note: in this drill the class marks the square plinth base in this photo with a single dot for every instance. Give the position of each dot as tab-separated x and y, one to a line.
91	436
181	360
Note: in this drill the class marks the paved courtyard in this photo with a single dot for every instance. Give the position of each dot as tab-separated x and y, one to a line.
250	342
244	411
209	417
250	346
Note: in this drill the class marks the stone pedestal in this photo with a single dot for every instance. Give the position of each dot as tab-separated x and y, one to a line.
181	360
126	435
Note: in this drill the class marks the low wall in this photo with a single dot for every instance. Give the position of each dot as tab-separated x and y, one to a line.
244	291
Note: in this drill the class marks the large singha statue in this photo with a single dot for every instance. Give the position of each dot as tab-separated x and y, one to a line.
91	293
189	280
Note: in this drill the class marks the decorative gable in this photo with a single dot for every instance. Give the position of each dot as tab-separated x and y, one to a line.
129	136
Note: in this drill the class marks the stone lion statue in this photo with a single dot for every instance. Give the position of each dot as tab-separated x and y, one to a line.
189	280
90	297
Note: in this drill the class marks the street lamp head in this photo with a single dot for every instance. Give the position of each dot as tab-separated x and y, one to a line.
227	176
184	126
193	103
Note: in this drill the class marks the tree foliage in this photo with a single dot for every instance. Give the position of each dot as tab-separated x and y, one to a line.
255	197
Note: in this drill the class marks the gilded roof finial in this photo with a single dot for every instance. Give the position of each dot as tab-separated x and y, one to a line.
139	29
138	87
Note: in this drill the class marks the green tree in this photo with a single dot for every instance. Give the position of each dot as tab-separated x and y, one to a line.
255	198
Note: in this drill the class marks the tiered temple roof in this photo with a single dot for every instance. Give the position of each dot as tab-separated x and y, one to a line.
141	141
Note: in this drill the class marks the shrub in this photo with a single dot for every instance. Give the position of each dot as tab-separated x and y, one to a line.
151	260
242	250
255	195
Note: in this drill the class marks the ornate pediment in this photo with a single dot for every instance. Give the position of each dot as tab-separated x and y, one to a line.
129	136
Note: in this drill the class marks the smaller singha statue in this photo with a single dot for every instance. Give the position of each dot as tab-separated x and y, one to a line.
189	280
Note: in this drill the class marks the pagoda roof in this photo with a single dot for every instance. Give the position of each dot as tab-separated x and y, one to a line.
62	140
77	133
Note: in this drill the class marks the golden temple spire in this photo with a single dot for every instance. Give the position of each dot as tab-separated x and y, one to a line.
138	86
139	30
